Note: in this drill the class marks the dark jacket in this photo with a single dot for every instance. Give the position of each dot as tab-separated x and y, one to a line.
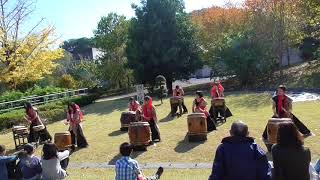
240	158
291	163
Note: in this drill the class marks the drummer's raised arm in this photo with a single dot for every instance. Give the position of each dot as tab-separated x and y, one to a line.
182	91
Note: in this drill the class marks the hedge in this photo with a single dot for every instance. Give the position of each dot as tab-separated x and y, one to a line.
35	91
52	112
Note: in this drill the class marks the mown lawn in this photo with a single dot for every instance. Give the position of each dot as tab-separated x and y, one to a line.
169	174
102	130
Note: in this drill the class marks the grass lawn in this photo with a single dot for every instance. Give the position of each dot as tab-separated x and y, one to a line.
103	174
102	123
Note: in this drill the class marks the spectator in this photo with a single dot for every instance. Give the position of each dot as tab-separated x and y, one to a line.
239	157
290	158
30	165
51	162
3	161
128	168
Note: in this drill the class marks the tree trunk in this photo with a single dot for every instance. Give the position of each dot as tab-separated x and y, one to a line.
169	85
288	53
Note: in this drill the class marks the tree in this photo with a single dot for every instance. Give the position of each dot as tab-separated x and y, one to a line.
246	58
24	57
111	37
162	41
214	25
79	48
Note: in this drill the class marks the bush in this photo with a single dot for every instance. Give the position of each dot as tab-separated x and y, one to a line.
52	112
35	91
67	81
251	61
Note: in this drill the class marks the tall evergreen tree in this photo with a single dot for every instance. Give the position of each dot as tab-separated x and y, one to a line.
161	41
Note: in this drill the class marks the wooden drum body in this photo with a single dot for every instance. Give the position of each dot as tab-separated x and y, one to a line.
127	118
272	128
63	140
139	133
218	102
197	124
175	101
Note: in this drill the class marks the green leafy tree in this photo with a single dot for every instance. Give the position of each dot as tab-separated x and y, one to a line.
79	48
161	41
249	60
111	37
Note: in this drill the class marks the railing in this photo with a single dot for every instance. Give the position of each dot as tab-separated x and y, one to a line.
37	100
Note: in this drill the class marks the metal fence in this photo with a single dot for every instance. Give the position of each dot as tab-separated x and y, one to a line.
38	100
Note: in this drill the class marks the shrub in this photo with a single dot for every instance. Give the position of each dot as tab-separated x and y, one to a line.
52	112
67	81
35	91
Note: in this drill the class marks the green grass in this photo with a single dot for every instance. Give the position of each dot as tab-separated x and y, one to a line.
102	123
103	174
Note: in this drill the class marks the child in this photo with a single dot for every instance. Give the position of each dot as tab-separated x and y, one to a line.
3	161
30	164
51	167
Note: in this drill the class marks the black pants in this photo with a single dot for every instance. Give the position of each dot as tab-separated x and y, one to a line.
35	135
155	133
78	138
184	107
222	111
64	163
211	125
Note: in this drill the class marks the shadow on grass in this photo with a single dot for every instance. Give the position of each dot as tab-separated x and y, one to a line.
114	159
166	119
133	155
117	133
184	145
107	107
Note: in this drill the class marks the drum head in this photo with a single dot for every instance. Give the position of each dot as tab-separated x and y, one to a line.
139	124
62	133
196	115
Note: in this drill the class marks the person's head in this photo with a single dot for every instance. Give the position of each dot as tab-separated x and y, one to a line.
131	99
2	150
239	128
125	149
27	106
147	99
70	109
50	151
29	149
288	135
282	90
199	94
177	86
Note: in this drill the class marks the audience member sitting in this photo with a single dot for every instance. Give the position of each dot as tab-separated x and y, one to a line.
3	161
290	158
239	157
30	165
128	168
51	167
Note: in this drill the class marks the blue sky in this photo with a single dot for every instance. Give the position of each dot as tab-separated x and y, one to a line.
78	18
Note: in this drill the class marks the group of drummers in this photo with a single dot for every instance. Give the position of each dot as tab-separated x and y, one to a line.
146	112
218	112
38	132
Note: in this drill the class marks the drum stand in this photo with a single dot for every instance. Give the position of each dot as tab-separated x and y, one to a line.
20	139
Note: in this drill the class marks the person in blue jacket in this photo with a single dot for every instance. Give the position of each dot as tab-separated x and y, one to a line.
3	162
239	157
